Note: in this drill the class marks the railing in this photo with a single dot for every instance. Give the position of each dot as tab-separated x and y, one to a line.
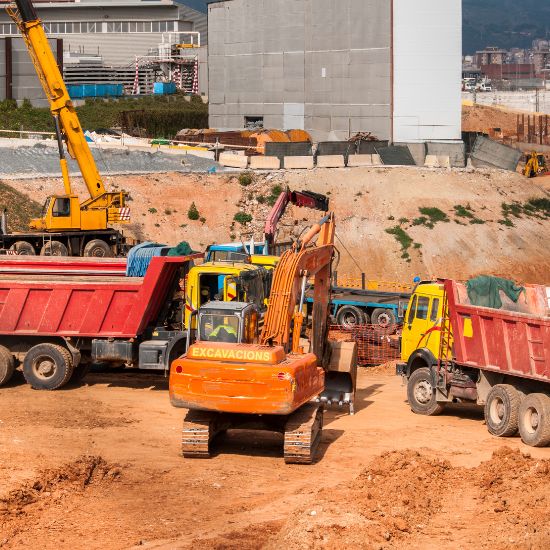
351	281
375	345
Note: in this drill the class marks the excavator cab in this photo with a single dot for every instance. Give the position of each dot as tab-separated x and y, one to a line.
229	322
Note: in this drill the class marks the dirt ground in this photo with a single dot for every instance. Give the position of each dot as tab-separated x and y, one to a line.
97	466
367	203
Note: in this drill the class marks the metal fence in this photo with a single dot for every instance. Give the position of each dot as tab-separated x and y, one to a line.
375	345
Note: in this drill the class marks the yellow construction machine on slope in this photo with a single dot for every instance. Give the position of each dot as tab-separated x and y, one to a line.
67	226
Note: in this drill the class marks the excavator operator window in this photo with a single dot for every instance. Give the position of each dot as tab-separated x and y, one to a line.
219	328
61	208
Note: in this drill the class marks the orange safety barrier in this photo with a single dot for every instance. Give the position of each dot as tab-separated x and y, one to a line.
375	345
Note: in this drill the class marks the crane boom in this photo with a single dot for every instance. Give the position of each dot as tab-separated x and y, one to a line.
61	105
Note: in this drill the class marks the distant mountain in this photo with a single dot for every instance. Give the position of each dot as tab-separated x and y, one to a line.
503	23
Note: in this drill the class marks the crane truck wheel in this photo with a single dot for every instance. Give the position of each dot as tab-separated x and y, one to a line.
502	410
54	248
534	420
349	317
97	248
384	318
421	393
7	365
23	248
47	367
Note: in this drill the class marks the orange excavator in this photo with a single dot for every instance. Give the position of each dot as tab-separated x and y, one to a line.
233	376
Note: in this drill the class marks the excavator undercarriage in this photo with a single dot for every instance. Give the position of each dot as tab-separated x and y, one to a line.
301	430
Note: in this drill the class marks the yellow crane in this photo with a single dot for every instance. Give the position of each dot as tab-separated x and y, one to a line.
535	165
89	220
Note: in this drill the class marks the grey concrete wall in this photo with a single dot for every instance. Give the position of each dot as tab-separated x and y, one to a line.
25	82
322	65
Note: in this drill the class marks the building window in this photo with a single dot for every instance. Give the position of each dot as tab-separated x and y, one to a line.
253	122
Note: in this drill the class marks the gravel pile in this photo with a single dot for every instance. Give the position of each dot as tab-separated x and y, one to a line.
40	160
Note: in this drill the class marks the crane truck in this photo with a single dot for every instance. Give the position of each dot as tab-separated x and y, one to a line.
67	225
233	376
453	351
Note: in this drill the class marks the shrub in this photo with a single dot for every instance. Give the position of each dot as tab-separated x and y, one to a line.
242	218
434	214
246	179
202	219
152	210
193	213
168	212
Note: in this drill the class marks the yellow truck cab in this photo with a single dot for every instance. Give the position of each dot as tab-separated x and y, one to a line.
420	340
421	348
224	281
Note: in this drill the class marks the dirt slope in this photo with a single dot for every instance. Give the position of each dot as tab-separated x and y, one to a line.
367	203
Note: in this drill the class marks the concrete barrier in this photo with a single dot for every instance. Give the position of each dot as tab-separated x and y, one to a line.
261	162
360	160
444	161
233	161
331	161
376	160
298	163
431	161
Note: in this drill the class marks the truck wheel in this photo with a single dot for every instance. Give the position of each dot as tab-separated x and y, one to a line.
47	367
7	365
349	317
23	248
54	248
383	317
502	410
97	248
534	420
421	393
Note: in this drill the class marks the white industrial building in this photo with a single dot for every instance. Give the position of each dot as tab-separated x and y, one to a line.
338	67
110	39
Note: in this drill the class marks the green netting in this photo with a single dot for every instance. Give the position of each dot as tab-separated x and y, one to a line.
182	249
485	291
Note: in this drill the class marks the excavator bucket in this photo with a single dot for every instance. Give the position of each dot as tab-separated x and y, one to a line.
341	375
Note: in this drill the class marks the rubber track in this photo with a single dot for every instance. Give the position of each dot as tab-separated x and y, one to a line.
198	431
303	434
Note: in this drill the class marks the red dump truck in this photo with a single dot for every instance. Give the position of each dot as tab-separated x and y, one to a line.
57	326
61	265
453	352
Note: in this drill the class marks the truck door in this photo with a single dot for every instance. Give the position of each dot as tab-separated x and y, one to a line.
422	325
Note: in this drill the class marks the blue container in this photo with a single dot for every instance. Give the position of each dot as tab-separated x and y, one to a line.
164	88
75	91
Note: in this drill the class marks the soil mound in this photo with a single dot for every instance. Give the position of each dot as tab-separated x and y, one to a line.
389	500
74	477
402	497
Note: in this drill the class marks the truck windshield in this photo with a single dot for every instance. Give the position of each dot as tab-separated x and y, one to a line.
219	328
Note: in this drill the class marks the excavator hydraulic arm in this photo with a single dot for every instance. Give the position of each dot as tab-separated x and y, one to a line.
294	269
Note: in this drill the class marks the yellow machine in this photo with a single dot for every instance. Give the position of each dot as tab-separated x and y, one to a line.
226	282
66	212
535	165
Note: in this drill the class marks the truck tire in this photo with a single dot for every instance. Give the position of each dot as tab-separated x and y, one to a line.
54	248
97	248
421	393
384	318
7	365
534	420
502	410
47	367
23	248
349	317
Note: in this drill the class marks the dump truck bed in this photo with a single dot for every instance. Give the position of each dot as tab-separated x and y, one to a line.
514	340
86	306
61	266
